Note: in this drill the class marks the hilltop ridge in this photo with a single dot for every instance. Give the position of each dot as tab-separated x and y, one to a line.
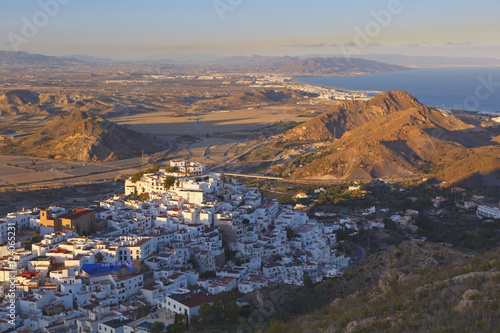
351	114
78	136
391	135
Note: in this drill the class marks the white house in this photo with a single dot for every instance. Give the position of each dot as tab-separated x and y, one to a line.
488	212
187	304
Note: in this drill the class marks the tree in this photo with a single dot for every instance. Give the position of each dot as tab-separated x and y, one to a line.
225	297
307	281
170	169
290	233
423	222
178	318
154	169
390	224
156	327
168	182
231	311
209	313
99	257
143	311
137	176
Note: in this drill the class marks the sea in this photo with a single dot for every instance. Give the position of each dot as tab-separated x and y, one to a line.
461	88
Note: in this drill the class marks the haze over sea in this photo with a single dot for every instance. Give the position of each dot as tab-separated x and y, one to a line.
464	88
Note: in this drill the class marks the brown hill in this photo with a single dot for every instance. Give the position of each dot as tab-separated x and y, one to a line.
395	136
19	101
27	101
349	115
81	137
393	291
248	98
19	97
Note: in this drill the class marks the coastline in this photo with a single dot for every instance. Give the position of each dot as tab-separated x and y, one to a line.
374	92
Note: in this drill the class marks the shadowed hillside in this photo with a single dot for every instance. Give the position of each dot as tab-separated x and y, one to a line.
410	292
80	137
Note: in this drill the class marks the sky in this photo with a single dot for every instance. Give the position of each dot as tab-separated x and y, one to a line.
152	29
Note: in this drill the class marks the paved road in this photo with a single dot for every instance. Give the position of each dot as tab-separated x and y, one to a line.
161	154
360	252
251	176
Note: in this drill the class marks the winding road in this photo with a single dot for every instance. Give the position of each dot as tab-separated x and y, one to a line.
360	252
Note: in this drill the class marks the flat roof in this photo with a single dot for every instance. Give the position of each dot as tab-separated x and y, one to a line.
76	214
193	300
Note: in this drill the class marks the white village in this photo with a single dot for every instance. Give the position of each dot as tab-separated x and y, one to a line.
168	247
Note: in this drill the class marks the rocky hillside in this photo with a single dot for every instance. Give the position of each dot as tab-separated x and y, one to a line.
412	287
393	135
30	102
78	136
261	97
20	101
349	115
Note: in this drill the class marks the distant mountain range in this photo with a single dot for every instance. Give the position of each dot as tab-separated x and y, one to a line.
86	58
332	66
431	61
393	135
16	59
13	59
285	65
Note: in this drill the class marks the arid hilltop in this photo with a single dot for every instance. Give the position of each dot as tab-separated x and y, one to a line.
78	136
393	135
349	115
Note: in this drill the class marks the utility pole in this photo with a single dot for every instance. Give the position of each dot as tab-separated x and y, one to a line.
142	160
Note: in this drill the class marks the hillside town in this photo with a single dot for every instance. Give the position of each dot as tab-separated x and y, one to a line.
176	239
172	243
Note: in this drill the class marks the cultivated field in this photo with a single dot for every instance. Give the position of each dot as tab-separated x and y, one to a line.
17	172
215	137
217	122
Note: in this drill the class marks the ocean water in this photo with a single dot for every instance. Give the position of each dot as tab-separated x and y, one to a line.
464	88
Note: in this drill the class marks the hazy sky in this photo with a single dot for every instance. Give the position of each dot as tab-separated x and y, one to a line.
132	29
